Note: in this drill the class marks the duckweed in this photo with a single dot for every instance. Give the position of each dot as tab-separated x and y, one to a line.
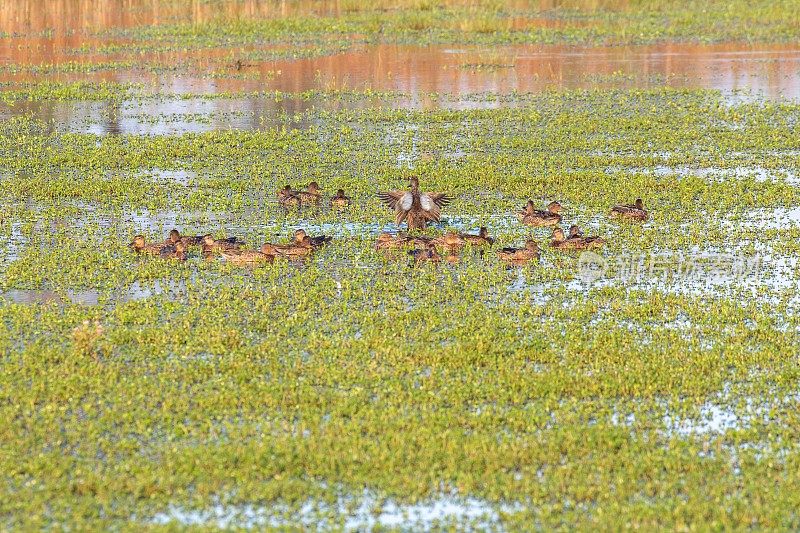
357	390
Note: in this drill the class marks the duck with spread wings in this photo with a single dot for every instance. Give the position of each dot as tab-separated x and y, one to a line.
414	207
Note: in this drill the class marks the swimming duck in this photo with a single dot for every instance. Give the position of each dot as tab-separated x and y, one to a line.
312	195
246	257
520	255
293	250
530	216
316	241
427	254
211	245
481	239
287	197
416	241
388	241
139	246
340	200
414	207
576	242
194	240
450	241
630	211
174	251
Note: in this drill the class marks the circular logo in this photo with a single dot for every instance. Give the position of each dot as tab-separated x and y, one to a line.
591	266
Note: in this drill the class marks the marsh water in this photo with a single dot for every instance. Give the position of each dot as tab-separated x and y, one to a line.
34	44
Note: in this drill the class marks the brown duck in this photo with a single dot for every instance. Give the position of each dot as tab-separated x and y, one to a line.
316	241
293	250
140	246
576	241
481	239
633	211
520	255
387	241
312	195
246	257
212	245
194	240
340	200
425	255
288	198
450	241
414	207
530	216
174	251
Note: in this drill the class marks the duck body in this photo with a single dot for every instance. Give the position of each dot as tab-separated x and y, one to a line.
633	211
520	255
414	207
291	251
140	246
316	241
575	241
212	245
530	216
288	198
450	241
340	200
481	239
425	255
246	257
175	251
312	195
387	241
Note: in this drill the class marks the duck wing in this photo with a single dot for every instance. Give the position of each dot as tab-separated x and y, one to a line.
431	205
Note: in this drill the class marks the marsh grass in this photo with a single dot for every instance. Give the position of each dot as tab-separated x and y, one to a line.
195	395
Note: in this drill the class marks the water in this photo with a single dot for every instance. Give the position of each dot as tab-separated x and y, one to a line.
46	38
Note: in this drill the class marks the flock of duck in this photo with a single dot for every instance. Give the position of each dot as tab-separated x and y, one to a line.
411	206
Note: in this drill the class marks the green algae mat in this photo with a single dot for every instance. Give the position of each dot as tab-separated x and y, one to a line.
653	384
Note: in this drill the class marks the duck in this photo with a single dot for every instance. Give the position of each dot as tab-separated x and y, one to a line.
576	242
294	250
450	241
530	216
416	241
140	246
194	240
424	255
633	211
340	200
520	255
312	195
246	257
211	245
288	198
316	241
174	251
574	231
387	241
414	207
481	239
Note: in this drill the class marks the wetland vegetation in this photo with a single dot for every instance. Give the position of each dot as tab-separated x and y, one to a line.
353	390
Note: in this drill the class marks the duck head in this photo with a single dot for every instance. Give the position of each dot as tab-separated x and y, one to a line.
554	207
138	242
575	231
339	193
174	236
208	240
639	204
299	235
531	245
558	234
313	187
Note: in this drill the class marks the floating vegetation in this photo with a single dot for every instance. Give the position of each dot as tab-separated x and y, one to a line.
649	383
